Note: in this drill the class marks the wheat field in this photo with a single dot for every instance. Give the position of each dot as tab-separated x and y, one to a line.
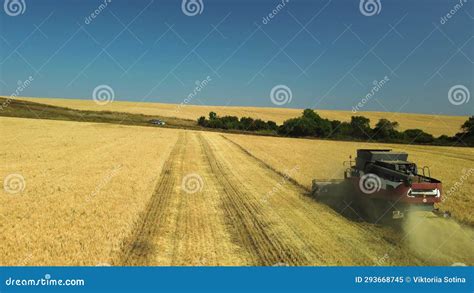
434	124
324	160
96	194
84	187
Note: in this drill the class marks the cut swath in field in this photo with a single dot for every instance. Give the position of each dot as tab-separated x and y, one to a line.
181	227
141	245
244	215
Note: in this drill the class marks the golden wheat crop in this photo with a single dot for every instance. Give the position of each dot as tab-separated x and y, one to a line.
324	160
319	159
78	190
434	124
93	193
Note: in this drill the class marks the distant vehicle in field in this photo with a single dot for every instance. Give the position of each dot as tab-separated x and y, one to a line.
157	122
382	184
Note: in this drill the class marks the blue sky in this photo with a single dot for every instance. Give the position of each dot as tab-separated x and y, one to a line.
328	53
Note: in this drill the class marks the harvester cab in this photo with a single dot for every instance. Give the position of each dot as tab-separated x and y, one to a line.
383	184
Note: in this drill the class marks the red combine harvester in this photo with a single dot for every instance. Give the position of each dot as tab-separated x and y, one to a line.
382	184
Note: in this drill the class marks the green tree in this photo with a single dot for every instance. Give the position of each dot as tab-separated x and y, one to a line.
468	126
322	127
202	121
344	130
385	129
260	124
310	114
246	123
215	123
417	136
467	132
271	125
360	127
212	116
298	127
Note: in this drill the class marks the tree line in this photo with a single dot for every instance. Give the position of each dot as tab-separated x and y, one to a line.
310	124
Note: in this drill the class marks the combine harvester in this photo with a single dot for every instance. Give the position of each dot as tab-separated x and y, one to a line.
380	185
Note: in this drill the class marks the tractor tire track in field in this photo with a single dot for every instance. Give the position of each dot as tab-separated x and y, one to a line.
140	247
263	164
195	240
243	216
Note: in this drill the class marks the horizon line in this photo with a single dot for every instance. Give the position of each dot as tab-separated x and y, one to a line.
239	106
